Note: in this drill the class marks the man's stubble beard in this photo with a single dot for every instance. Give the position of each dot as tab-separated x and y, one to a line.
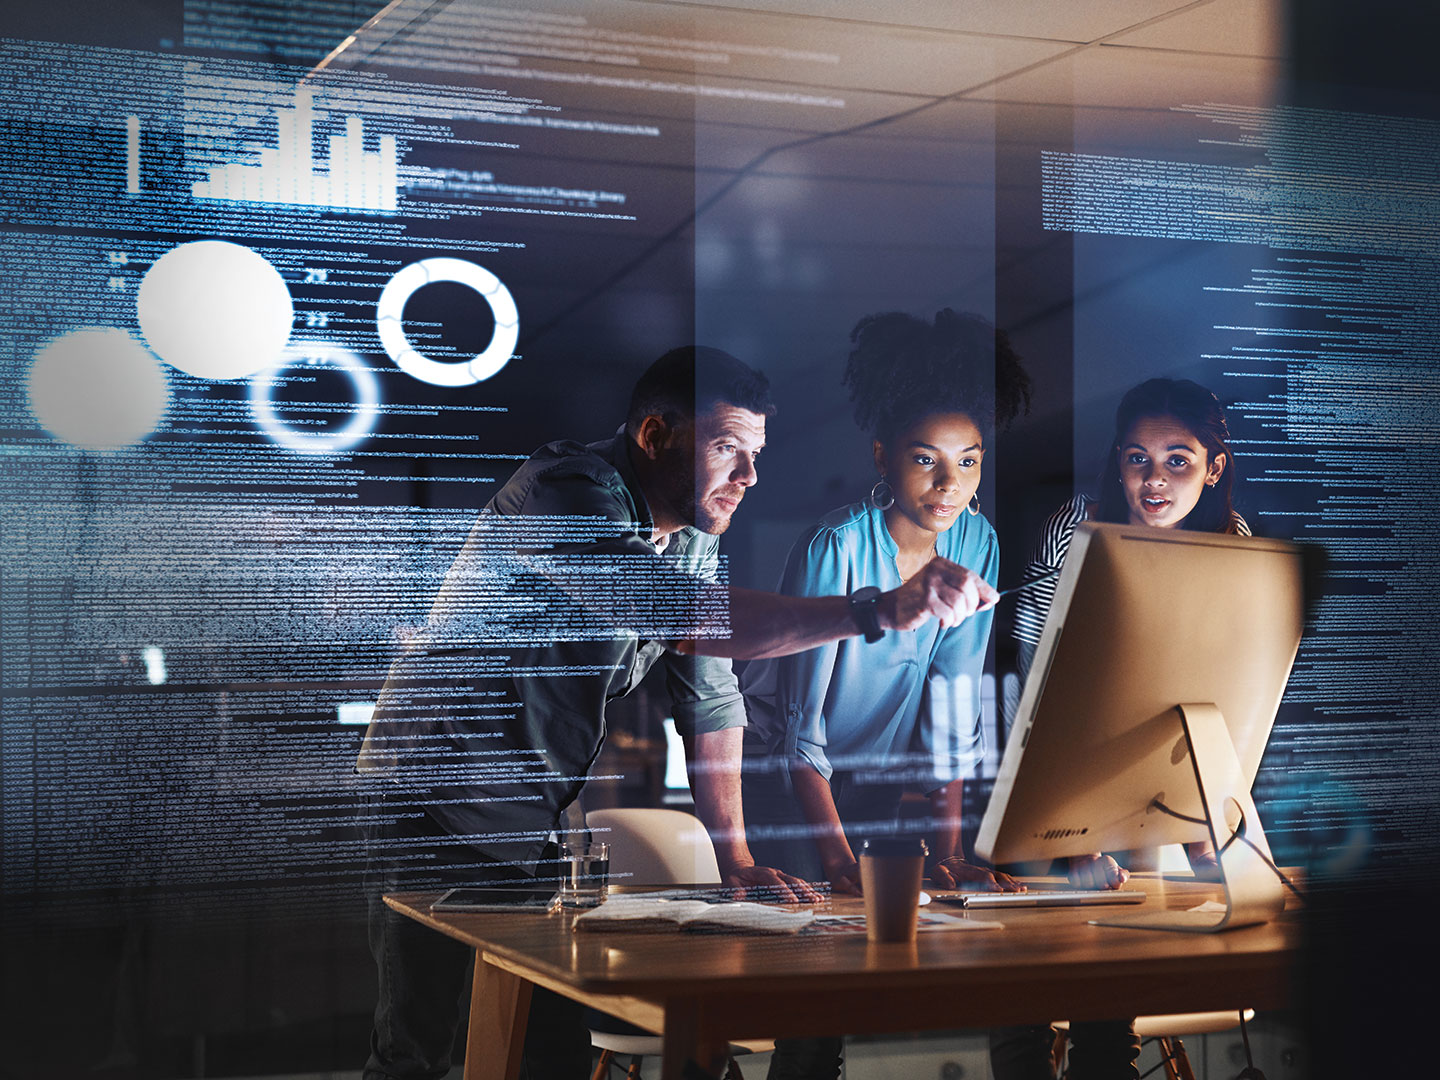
679	492
707	522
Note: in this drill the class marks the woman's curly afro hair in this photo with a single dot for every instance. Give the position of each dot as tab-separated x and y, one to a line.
903	368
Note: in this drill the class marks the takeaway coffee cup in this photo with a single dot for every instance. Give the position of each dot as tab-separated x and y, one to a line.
891	868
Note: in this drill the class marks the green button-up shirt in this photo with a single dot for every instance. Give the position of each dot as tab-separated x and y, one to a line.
558	602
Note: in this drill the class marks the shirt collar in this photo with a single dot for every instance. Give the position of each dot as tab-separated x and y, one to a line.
881	532
617	452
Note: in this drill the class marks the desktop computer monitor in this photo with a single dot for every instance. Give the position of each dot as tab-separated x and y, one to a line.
1148	706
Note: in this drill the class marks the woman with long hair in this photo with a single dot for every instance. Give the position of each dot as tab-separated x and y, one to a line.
1169	466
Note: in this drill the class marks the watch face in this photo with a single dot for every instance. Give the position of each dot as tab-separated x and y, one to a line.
868	595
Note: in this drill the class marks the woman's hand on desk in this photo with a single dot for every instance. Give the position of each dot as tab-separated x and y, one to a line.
1097	872
844	878
955	873
1203	862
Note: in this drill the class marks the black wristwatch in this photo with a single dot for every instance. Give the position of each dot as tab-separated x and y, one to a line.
866	613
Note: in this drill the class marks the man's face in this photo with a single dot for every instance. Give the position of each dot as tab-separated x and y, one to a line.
709	468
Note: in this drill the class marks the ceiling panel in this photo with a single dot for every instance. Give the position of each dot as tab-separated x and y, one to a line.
1234	27
1068	21
1137	80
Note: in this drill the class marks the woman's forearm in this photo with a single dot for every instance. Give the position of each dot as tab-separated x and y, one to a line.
817	803
945	807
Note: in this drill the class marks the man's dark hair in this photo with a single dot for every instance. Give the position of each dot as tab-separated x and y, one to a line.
689	380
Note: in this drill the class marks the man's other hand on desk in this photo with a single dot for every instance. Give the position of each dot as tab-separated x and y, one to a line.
956	873
1097	872
786	887
951	873
844	878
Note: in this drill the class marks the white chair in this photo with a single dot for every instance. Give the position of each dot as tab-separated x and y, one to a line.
1166	1029
655	847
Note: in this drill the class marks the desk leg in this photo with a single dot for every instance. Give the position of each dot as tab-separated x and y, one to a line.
687	1039
499	1008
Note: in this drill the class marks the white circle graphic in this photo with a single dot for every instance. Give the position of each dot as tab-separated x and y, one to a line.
215	310
99	389
315	354
391	309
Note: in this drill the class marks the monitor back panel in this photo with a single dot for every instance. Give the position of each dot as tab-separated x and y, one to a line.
1144	619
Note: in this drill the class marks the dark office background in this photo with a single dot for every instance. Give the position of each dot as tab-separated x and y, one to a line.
764	226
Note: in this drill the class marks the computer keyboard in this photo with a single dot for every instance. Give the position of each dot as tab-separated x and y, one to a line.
1042	898
720	894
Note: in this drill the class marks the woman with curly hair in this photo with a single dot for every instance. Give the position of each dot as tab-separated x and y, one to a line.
838	733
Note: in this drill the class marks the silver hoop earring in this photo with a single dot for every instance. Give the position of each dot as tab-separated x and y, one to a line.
882	499
974	506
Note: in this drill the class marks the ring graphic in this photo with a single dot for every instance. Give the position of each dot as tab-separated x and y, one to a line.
391	308
311	354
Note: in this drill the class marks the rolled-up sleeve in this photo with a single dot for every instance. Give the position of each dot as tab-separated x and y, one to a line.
704	693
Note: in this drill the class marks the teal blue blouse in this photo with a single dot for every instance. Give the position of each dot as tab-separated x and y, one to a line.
905	709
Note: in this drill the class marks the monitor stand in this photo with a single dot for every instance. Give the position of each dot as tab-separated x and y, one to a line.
1253	891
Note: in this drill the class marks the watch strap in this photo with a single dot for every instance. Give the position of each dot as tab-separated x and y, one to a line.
864	609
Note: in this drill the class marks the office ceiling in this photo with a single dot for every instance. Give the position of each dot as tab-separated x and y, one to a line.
851	156
1229	27
1061	60
1102	76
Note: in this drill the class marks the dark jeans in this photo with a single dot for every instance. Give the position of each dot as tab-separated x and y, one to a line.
779	835
780	838
1099	1050
423	974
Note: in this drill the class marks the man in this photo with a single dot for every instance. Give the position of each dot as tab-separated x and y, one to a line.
591	565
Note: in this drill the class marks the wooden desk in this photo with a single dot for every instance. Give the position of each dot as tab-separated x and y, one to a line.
700	991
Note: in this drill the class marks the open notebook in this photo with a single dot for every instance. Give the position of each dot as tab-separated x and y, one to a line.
662	913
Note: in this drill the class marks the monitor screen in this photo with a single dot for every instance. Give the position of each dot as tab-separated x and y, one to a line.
1144	620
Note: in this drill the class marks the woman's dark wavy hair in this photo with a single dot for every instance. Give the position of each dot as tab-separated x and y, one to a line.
1200	411
903	369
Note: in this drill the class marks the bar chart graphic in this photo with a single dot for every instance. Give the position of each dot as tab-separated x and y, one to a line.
288	174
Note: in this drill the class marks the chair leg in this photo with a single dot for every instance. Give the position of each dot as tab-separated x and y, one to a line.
1057	1054
602	1067
1176	1061
633	1073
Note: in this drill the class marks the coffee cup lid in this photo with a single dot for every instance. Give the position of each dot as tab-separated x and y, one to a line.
894	845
